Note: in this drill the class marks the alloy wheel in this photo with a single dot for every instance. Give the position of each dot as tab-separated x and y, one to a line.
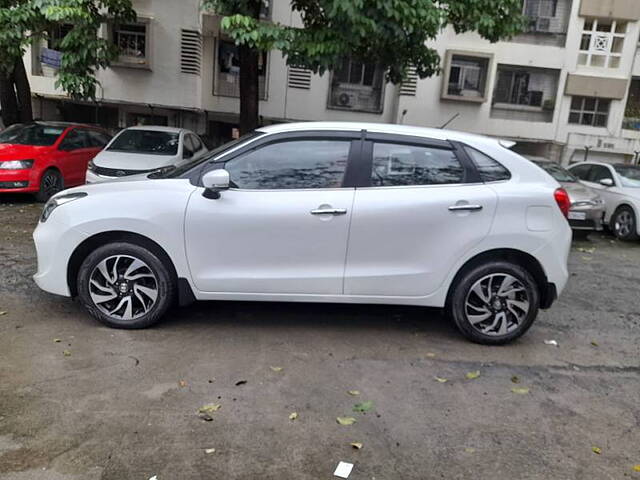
51	184
497	304
123	287
624	223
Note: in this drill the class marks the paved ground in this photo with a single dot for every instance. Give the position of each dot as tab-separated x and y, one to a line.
116	409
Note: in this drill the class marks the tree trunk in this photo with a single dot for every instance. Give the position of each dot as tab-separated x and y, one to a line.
8	100
23	92
249	89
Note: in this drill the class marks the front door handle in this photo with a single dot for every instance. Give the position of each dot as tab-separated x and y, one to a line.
465	208
329	211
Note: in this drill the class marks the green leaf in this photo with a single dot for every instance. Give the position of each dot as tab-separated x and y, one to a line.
363	406
473	375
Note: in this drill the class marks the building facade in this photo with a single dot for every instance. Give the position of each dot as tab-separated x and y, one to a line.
566	89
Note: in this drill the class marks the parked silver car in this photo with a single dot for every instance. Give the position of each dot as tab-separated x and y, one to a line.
587	206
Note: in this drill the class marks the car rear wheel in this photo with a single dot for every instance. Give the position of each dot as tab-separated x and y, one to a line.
624	224
494	303
50	184
125	286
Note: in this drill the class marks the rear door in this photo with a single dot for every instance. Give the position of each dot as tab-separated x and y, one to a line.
423	208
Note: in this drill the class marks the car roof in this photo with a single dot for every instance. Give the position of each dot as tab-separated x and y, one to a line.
158	128
60	124
435	133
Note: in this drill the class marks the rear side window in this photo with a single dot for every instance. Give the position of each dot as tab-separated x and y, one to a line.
405	165
488	168
97	139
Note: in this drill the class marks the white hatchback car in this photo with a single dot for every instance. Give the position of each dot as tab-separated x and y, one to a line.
619	186
142	150
320	212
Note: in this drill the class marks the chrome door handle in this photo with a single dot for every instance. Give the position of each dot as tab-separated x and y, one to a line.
329	211
465	208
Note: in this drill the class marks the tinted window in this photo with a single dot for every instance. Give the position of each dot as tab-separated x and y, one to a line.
598	172
396	164
629	175
32	134
97	139
187	147
197	144
293	164
74	140
581	171
488	168
146	141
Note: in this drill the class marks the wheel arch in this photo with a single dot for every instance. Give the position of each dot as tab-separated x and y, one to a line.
88	245
518	257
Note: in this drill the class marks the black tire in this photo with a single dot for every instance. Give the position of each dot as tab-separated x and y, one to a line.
146	311
50	184
624	224
457	306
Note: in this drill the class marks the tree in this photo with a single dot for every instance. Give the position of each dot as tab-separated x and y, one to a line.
391	33
83	52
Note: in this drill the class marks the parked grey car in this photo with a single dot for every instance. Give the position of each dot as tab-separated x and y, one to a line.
587	206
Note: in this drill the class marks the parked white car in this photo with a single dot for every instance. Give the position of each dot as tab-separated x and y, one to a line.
140	150
619	186
320	212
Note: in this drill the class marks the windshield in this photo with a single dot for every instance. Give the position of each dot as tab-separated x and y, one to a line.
146	141
630	176
32	134
176	172
557	172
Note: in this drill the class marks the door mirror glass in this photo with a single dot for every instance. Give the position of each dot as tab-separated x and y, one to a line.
214	182
606	182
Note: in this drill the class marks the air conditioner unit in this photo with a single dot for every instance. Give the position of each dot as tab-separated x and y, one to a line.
347	100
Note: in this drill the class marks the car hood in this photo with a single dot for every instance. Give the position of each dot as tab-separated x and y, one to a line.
579	192
133	161
9	151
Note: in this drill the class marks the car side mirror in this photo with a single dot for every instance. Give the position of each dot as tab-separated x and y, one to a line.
606	182
214	182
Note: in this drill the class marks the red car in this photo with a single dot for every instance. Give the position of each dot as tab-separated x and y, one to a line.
45	157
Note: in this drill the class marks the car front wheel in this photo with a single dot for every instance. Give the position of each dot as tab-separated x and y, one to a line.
494	303
50	184
125	286
624	224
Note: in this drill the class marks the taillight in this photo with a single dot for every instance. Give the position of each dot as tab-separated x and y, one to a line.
563	201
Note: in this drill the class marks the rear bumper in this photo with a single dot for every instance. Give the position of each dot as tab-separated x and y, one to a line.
591	218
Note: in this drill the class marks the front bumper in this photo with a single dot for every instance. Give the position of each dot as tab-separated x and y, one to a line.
17	181
586	218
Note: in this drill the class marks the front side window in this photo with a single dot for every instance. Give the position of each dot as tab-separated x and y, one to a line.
466	77
357	86
296	164
31	134
629	175
581	171
146	141
74	140
97	139
488	168
405	165
598	172
593	112
602	42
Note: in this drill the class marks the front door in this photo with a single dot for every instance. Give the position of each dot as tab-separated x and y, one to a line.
415	221
283	226
74	154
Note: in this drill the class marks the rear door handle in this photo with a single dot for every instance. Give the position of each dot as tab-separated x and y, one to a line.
465	208
329	211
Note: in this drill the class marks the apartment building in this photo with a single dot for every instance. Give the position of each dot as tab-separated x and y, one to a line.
567	89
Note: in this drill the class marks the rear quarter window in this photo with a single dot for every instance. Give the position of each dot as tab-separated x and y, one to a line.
489	169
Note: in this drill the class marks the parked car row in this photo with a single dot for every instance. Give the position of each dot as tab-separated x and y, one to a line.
44	158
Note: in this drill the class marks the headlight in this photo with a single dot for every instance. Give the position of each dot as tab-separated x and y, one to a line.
16	164
91	166
55	202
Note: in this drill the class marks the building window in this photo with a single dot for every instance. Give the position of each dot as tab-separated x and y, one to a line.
134	43
547	22
227	71
589	111
466	76
602	43
357	86
525	94
632	110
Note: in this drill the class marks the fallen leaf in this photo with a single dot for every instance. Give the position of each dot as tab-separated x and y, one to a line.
520	390
2	313
515	379
293	415
586	259
356	445
472	375
209	408
470	450
209	450
587	250
354	393
596	450
346	420
363	407
636	468
441	380
56	340
276	369
240	382
594	343
430	355
66	353
182	383
551	342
